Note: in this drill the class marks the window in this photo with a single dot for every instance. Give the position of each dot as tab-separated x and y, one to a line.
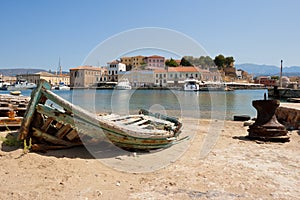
171	75
186	75
164	75
165	81
156	75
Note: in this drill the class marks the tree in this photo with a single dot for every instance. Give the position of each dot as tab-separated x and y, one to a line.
185	62
220	61
229	61
275	77
171	63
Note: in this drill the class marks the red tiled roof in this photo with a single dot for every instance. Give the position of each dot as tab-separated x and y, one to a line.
183	69
154	56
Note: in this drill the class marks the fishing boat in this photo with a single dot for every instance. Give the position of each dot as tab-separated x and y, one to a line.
72	125
191	84
123	84
21	85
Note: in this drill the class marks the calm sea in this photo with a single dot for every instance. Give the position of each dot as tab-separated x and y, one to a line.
213	104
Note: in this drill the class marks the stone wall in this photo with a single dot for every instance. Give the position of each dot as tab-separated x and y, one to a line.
289	115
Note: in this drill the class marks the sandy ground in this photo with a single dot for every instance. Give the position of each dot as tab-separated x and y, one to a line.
216	163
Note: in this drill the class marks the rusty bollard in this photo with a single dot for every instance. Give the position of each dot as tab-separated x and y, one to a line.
266	127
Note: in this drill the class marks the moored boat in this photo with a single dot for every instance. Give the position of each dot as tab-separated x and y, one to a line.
62	86
21	85
123	84
191	84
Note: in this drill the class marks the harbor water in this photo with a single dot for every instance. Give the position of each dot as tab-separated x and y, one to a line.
208	104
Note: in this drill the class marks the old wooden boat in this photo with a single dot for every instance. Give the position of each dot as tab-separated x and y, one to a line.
71	125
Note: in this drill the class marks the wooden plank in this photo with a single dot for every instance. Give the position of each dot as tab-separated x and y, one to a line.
72	135
131	120
58	125
141	122
85	127
47	124
63	131
28	117
76	110
5	108
50	138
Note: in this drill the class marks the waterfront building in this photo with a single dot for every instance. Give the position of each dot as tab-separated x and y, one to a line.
8	79
210	76
113	69
53	79
154	61
266	81
177	75
138	78
161	77
87	76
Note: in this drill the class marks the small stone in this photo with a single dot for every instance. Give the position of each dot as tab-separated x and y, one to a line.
118	183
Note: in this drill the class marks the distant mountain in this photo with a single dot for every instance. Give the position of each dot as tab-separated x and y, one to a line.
17	71
268	70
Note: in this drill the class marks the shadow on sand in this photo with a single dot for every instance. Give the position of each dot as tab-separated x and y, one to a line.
100	150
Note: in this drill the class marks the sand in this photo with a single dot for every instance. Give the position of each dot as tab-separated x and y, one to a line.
216	163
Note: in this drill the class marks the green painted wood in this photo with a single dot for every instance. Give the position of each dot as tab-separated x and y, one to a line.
28	116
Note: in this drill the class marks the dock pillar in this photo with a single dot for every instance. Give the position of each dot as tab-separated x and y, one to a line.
266	126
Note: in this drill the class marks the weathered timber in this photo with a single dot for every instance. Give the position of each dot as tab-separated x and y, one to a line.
72	125
12	109
63	131
34	100
54	140
47	124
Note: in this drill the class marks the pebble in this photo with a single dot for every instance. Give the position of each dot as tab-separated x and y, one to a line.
118	183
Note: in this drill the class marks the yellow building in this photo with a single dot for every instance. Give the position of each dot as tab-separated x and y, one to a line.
133	61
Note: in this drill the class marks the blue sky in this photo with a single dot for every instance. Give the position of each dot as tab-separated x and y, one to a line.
35	33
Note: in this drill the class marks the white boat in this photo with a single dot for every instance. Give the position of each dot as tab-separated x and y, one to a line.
3	85
191	84
62	87
21	85
123	84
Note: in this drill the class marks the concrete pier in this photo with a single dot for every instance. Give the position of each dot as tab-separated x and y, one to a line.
289	115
